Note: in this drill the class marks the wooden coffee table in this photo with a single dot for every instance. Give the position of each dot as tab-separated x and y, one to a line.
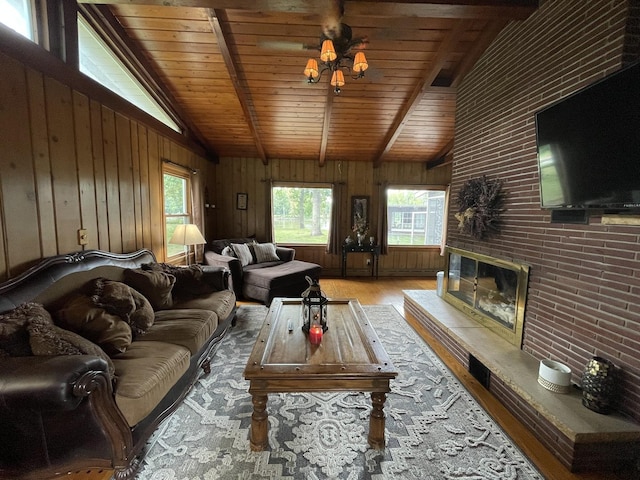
350	358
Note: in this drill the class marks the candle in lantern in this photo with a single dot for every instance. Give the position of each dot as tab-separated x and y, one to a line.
315	334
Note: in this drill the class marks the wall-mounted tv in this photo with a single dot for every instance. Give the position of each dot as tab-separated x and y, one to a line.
589	146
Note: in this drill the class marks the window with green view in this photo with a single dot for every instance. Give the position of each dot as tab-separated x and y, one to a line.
415	216
176	208
301	215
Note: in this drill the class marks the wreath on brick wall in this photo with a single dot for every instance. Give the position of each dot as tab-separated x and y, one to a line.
480	204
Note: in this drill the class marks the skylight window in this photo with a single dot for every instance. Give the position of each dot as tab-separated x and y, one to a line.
99	62
16	14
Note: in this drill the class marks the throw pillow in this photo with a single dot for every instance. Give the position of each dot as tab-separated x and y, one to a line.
155	286
189	280
80	315
228	252
46	338
265	252
125	302
243	253
14	338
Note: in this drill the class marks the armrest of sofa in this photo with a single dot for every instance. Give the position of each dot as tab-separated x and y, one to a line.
285	254
216	277
231	263
58	382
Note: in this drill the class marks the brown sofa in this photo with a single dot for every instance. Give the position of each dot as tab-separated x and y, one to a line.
80	395
264	272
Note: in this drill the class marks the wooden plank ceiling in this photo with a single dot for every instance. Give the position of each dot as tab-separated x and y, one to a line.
234	71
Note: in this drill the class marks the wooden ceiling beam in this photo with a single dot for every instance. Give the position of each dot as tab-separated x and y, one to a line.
328	109
469	9
218	18
429	75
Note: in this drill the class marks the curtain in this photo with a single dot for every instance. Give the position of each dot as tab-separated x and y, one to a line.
337	220
268	210
445	222
382	218
197	208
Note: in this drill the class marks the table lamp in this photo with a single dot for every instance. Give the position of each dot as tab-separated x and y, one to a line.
187	234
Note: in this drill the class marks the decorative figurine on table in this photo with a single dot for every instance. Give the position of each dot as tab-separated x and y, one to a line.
314	311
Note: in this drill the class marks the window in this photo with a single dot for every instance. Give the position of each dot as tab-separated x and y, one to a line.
415	216
99	62
16	14
301	215
177	206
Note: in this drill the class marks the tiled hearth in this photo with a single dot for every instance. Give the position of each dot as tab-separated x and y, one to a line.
580	438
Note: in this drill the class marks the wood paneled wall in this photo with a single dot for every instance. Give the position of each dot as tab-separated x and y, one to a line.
69	162
584	287
251	176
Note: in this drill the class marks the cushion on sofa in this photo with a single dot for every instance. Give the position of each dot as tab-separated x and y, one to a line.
218	245
243	253
189	280
14	338
108	331
265	252
46	338
127	303
145	373
221	302
155	286
188	328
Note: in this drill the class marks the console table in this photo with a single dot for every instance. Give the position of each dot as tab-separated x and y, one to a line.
374	250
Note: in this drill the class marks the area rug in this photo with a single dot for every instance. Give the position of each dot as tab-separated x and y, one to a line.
434	428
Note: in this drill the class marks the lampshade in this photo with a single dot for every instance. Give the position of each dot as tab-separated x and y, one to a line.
328	52
360	62
311	70
187	234
337	79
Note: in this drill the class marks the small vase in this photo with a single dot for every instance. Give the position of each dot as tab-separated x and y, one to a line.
360	238
599	385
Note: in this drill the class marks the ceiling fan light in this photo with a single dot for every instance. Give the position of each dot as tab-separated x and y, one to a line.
360	63
311	70
337	79
328	52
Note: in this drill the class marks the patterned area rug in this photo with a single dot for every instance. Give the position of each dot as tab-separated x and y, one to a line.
434	428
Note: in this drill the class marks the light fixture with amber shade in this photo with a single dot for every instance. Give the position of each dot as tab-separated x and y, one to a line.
337	55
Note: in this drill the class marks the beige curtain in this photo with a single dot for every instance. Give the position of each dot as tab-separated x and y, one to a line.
337	219
382	218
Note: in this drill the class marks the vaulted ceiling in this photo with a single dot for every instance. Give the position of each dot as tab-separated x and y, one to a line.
233	71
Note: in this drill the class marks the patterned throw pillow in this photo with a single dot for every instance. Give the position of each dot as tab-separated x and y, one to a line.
46	338
265	252
14	338
243	253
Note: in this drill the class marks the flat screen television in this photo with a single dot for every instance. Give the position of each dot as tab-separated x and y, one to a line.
589	146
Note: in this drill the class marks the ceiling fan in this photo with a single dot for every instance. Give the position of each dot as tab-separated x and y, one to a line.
339	51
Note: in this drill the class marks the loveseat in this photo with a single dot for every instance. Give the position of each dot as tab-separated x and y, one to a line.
96	349
261	271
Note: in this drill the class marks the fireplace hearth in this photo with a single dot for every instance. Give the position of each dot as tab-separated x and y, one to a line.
492	291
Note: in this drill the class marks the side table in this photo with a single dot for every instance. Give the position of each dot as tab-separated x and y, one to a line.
374	250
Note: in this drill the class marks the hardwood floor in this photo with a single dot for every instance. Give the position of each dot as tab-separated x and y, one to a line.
389	291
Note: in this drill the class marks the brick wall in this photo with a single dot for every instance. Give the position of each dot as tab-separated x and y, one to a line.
584	288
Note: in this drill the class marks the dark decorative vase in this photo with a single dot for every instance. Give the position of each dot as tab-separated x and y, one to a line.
599	385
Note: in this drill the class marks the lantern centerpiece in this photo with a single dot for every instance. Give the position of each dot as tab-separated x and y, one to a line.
314	307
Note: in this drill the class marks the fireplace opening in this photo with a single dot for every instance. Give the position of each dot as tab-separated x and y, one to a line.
490	290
